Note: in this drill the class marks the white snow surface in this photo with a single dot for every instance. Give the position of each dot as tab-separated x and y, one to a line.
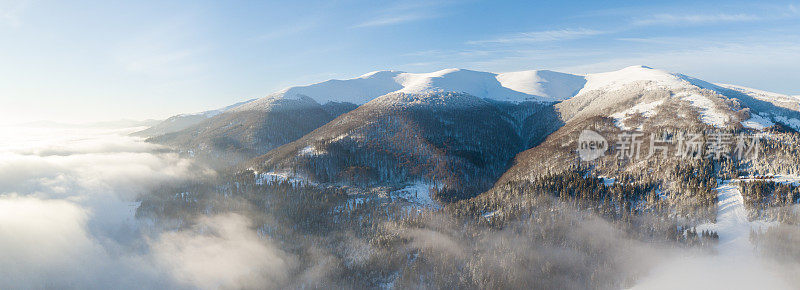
732	224
757	122
791	122
709	114
735	264
272	177
616	80
682	86
531	85
432	100
512	87
646	109
396	87
608	181
310	150
356	90
760	94
418	193
212	113
277	103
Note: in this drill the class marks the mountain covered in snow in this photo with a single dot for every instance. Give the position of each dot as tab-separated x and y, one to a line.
461	126
650	101
496	156
455	142
533	85
182	121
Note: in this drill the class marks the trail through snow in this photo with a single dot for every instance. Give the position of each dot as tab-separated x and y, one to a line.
732	224
735	265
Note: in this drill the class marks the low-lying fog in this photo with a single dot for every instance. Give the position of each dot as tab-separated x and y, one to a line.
67	217
67	204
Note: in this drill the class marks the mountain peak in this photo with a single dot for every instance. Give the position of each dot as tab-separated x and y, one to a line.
380	74
639	67
618	79
532	85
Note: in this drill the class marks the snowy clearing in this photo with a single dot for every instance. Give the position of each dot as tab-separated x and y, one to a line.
418	193
272	177
310	150
709	114
791	122
646	109
757	122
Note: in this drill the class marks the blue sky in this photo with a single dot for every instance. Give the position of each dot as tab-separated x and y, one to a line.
79	61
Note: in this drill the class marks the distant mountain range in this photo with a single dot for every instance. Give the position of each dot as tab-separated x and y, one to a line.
105	124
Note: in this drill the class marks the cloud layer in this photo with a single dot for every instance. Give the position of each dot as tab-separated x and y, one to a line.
67	199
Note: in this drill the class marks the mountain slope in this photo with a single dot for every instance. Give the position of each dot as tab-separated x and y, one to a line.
454	142
237	135
781	100
253	128
180	122
649	101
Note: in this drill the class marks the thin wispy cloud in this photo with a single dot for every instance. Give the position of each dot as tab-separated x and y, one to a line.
696	19
392	20
406	13
542	36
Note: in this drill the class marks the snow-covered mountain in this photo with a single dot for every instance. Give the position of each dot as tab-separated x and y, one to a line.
514	87
517	87
786	101
182	121
236	135
640	90
455	142
648	100
255	127
446	115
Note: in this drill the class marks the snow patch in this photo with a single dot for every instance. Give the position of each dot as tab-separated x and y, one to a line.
791	122
759	94
490	214
709	114
418	193
430	99
310	150
356	90
277	177
646	109
608	181
757	122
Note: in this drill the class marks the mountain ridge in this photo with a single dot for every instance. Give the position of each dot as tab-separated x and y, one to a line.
450	118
